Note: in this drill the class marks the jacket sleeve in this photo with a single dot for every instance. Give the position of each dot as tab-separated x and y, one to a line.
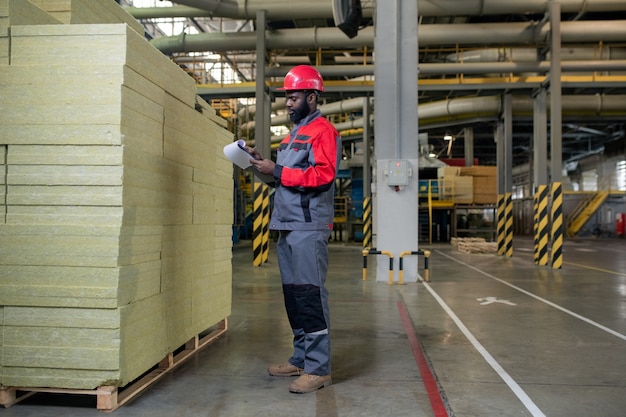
321	170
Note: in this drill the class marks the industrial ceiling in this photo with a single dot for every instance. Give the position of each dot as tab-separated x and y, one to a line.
471	53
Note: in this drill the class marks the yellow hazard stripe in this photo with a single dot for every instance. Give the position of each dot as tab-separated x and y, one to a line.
557	226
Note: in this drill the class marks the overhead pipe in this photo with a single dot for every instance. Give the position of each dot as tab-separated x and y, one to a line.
245	9
518	67
278	104
519	33
345	106
430	35
297	9
526	60
352	124
353	59
311	38
328	70
464	68
494	55
532	54
341	127
221	8
597	104
245	58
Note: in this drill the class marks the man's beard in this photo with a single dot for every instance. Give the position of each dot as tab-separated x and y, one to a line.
299	113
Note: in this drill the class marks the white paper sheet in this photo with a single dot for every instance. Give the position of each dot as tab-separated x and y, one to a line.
237	155
240	157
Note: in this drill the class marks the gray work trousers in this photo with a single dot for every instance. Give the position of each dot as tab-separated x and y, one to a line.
303	263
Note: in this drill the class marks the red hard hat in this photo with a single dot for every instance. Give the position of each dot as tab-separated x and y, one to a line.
303	77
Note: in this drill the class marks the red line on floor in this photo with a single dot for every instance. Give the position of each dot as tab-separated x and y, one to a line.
432	389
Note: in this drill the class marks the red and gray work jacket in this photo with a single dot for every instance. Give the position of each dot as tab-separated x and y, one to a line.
306	167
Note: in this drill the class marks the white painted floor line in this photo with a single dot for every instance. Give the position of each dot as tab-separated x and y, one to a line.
517	390
536	297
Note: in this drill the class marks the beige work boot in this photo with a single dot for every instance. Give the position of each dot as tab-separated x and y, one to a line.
310	383
284	369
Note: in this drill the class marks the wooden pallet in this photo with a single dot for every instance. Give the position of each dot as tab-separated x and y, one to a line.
110	398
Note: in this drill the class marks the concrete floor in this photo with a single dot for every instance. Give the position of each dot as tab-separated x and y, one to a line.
503	338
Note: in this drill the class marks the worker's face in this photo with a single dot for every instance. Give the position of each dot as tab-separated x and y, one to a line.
299	104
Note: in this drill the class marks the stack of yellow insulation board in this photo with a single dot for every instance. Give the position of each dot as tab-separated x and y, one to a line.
88	11
18	12
115	239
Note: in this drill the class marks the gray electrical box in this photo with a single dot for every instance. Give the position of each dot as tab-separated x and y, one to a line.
398	172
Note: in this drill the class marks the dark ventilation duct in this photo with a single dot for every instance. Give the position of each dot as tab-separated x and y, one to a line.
347	15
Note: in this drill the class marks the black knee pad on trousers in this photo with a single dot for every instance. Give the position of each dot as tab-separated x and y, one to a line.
291	306
309	305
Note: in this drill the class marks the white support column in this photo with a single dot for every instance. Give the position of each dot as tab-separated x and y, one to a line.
556	129
396	135
263	107
540	140
507	118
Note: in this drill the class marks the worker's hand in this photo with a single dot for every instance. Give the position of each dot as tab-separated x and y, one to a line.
253	152
264	166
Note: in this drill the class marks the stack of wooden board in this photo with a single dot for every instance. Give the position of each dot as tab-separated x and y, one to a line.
484	183
474	245
115	244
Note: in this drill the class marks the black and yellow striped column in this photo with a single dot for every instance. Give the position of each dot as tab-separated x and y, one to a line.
542	225
501	224
265	241
508	225
557	226
257	224
367	222
536	227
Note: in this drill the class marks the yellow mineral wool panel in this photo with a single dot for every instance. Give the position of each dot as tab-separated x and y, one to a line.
4	47
85	287
104	44
61	347
1	340
53	214
107	196
51	155
143	335
53	365
73	175
59	134
89	11
23	12
79	246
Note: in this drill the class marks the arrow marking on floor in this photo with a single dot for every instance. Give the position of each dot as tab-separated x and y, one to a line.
491	300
